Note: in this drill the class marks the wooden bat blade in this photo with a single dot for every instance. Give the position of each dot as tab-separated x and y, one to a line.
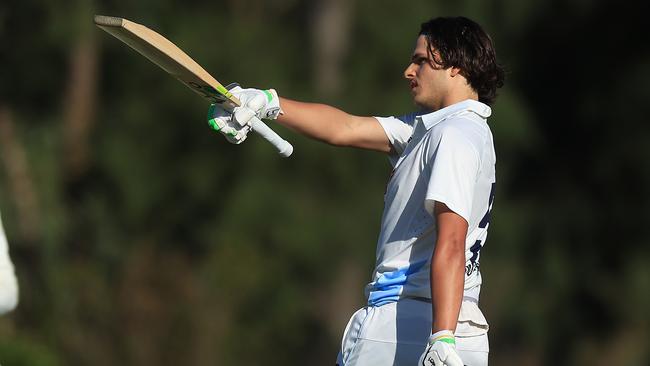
169	57
172	59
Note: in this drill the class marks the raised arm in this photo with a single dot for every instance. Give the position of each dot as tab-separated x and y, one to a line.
318	121
333	126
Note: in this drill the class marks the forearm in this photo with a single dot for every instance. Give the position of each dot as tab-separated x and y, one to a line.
447	282
318	121
333	126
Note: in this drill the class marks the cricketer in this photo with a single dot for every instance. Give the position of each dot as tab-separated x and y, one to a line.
423	300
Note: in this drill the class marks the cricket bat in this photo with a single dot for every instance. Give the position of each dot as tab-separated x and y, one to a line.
172	59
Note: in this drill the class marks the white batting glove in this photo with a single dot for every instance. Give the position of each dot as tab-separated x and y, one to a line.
265	104
236	125
224	121
441	350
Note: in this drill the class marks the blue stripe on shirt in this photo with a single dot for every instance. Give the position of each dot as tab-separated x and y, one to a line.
389	285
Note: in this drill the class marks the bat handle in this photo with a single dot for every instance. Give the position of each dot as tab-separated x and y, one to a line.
284	148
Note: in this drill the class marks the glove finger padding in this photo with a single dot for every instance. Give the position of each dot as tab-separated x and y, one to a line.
243	115
221	120
235	136
235	125
447	355
265	103
257	102
254	104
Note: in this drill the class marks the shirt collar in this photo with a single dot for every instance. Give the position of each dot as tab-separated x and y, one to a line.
431	119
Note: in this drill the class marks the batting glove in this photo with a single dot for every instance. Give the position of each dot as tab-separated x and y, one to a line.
225	122
441	350
236	125
264	104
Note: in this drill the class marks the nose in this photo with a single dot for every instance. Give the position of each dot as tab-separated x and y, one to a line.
409	73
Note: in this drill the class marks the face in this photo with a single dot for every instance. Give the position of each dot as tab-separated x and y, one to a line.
429	82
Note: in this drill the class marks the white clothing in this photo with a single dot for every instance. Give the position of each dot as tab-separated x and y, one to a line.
395	334
8	282
446	156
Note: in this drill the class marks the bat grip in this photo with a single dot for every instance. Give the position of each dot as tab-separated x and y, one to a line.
284	148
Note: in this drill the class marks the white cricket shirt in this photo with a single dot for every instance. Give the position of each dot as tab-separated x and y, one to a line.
446	156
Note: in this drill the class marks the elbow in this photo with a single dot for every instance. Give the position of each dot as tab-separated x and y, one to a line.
346	134
451	252
338	138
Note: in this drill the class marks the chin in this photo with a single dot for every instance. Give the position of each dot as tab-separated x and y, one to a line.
422	104
426	104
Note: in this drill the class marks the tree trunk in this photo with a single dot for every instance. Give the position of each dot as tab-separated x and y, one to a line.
330	32
21	184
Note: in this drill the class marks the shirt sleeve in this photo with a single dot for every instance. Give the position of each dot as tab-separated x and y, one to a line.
455	166
399	130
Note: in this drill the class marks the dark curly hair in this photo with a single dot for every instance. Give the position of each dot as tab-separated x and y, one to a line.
462	43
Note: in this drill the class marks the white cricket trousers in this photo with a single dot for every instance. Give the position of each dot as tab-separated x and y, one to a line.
395	334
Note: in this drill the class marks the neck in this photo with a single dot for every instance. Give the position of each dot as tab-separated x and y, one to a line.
456	97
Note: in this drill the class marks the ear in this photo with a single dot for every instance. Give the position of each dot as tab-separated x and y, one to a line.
453	71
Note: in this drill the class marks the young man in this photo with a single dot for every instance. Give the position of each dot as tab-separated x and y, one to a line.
423	299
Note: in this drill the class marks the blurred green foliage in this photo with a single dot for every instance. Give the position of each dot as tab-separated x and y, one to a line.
151	241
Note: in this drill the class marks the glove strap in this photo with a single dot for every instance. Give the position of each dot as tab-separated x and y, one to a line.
446	336
269	95
273	108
